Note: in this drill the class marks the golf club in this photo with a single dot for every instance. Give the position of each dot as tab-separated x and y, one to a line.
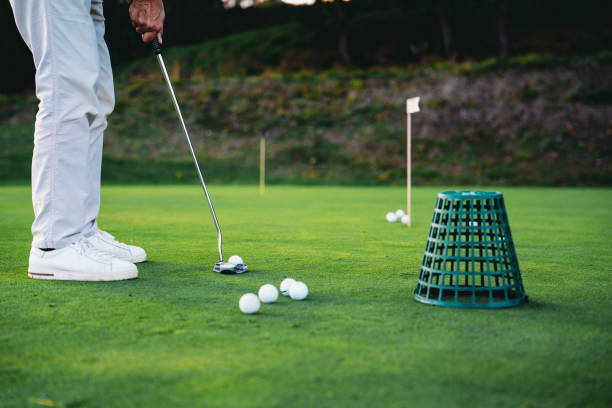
221	266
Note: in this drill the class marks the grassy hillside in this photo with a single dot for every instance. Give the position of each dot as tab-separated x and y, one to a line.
535	119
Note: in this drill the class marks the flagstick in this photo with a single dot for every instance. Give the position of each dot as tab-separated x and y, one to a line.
408	170
412	106
262	165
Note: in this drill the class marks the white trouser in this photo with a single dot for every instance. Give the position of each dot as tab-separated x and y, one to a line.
74	84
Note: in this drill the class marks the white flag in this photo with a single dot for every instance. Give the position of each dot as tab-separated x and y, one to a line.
412	105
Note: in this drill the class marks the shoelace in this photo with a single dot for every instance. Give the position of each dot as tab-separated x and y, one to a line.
86	249
112	238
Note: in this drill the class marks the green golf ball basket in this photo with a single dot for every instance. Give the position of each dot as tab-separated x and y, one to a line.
470	260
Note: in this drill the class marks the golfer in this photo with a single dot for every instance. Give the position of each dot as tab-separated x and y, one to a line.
74	84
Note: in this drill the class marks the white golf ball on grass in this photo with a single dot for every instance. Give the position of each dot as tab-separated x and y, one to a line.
405	219
285	285
249	303
400	213
298	291
268	293
235	259
391	217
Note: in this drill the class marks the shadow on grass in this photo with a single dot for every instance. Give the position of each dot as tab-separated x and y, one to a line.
537	304
207	268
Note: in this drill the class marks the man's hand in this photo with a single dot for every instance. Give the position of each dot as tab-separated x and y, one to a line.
148	18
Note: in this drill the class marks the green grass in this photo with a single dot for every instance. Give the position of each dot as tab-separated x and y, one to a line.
175	336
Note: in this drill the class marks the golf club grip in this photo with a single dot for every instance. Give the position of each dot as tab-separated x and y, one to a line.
156	46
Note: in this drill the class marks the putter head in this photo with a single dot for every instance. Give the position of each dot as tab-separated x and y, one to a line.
228	268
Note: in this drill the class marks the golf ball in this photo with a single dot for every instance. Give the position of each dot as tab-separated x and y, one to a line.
400	213
298	291
235	259
474	223
249	303
405	219
391	217
285	285
268	293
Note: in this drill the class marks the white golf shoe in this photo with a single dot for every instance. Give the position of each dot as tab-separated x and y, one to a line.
79	262
104	241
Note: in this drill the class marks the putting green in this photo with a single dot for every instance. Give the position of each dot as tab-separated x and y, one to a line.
175	336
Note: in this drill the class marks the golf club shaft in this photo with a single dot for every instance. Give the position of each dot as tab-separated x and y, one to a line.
162	65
